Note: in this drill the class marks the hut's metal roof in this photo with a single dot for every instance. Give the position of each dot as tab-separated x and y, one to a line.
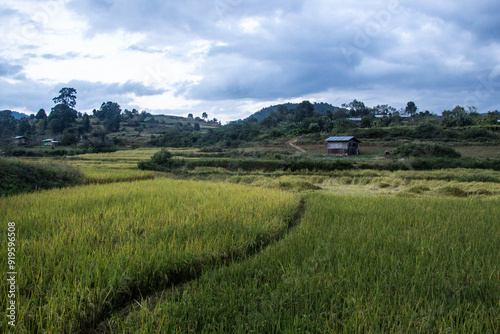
342	139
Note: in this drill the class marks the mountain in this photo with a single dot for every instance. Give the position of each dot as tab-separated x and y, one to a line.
19	115
320	108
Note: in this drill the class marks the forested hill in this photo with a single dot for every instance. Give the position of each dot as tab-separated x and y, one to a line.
19	115
320	108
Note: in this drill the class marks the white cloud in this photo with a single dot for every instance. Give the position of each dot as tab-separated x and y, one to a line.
164	101
250	25
232	57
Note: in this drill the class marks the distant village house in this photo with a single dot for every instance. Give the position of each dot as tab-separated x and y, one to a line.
343	145
20	140
49	142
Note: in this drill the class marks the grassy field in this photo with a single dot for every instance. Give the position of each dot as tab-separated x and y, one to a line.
85	251
112	167
378	264
254	252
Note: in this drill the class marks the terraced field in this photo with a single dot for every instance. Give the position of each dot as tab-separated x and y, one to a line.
373	264
88	250
302	252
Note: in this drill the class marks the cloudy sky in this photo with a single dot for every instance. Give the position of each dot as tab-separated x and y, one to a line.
230	58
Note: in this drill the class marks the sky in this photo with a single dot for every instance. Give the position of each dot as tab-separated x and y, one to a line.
230	58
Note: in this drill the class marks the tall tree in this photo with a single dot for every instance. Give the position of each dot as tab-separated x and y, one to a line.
304	110
384	109
411	108
204	115
110	114
41	114
339	114
86	123
357	108
56	125
61	118
67	114
24	127
67	96
457	117
7	124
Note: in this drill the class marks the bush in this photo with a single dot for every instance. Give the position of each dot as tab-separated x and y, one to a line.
160	161
427	130
52	152
18	177
426	150
478	134
68	139
162	157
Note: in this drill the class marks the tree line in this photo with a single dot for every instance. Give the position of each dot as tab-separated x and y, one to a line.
354	118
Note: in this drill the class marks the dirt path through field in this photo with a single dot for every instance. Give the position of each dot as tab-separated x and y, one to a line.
291	142
182	276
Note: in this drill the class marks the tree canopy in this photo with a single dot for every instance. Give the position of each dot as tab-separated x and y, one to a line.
110	114
67	96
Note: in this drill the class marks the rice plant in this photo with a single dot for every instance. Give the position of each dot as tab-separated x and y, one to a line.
85	251
353	265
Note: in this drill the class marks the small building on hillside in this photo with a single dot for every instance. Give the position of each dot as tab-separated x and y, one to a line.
343	145
20	140
49	142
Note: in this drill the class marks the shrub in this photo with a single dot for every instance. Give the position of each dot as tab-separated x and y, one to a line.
17	176
160	161
162	157
427	130
426	150
478	134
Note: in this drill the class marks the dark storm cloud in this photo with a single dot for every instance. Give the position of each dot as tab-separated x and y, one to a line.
90	95
477	17
166	17
163	17
295	55
24	94
439	51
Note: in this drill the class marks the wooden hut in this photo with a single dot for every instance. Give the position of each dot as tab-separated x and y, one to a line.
20	140
342	145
